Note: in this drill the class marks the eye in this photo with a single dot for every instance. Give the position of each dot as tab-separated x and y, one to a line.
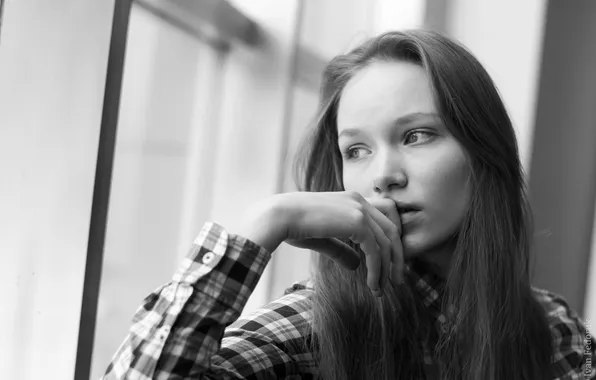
418	136
354	153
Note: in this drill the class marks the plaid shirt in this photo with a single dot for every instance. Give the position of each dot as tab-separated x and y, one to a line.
190	327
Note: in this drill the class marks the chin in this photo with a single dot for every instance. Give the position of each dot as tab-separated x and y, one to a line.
413	246
431	248
416	244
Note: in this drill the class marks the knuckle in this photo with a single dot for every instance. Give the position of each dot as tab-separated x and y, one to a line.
373	201
359	208
354	195
394	231
388	202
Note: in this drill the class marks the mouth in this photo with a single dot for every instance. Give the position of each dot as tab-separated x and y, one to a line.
408	213
406	209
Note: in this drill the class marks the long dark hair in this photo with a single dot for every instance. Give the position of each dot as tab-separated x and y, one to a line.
497	329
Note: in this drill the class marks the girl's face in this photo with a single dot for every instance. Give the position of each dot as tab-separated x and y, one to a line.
395	145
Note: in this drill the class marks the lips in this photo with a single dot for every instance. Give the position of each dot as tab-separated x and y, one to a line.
404	208
408	213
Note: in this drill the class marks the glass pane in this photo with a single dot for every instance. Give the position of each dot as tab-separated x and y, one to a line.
156	203
293	264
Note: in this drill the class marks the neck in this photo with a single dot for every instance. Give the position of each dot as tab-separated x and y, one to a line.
439	259
437	265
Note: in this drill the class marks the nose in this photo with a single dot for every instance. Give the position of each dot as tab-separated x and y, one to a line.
391	176
386	183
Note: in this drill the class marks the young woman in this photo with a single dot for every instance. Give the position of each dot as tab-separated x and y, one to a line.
414	197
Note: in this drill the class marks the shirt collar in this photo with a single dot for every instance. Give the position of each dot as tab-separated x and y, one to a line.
429	286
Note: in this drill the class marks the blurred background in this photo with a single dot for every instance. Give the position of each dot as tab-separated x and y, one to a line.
194	109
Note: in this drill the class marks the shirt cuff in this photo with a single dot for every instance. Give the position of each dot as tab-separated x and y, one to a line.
226	265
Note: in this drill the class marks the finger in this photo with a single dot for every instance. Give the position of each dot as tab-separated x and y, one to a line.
384	245
384	212
372	251
397	261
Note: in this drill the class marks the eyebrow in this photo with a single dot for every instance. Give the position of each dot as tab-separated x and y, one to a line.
402	120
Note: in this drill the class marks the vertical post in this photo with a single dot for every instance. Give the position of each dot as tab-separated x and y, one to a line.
101	190
1	9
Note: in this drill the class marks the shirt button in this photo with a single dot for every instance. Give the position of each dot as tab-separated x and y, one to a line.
208	257
163	333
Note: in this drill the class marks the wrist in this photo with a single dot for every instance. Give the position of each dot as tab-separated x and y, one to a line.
266	224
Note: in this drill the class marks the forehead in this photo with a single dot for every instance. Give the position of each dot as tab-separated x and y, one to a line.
383	92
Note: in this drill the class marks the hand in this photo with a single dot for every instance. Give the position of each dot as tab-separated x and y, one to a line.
314	220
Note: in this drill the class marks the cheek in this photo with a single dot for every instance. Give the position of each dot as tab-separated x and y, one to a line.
357	181
450	186
445	191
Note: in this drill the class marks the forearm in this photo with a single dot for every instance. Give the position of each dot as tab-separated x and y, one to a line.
266	223
179	328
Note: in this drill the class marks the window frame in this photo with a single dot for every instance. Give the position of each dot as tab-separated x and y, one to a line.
215	22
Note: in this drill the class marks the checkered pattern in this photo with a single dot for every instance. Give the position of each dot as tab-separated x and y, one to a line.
190	328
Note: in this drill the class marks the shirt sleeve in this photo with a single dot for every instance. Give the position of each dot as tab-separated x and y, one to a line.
574	350
178	328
